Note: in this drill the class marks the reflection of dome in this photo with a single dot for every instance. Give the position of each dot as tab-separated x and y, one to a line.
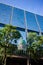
21	44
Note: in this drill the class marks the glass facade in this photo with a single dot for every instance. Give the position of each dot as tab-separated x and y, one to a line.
40	20
5	12
18	19
31	21
24	22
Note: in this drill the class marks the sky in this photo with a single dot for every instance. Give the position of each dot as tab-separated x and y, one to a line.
34	6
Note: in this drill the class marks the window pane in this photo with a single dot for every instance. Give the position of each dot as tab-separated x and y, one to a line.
18	18
31	21
5	12
40	20
23	34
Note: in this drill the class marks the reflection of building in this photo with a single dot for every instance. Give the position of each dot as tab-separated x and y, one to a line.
34	21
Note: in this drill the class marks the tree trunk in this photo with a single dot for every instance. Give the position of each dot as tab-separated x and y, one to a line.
5	57
5	61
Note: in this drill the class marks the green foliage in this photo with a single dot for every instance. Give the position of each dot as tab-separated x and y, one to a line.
11	49
31	37
34	45
8	34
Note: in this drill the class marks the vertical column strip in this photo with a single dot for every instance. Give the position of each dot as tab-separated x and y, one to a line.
25	21
38	25
11	16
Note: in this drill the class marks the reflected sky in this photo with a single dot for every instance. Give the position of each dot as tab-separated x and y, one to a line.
40	20
5	12
18	18
31	21
35	6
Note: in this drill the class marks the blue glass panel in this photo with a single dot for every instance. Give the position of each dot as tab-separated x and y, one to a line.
18	18
23	34
40	20
31	21
5	12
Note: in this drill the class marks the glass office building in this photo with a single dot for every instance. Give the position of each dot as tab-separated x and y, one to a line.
21	19
24	21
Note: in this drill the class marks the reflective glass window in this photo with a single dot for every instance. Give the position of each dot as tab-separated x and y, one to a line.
5	12
40	20
31	21
18	18
23	34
